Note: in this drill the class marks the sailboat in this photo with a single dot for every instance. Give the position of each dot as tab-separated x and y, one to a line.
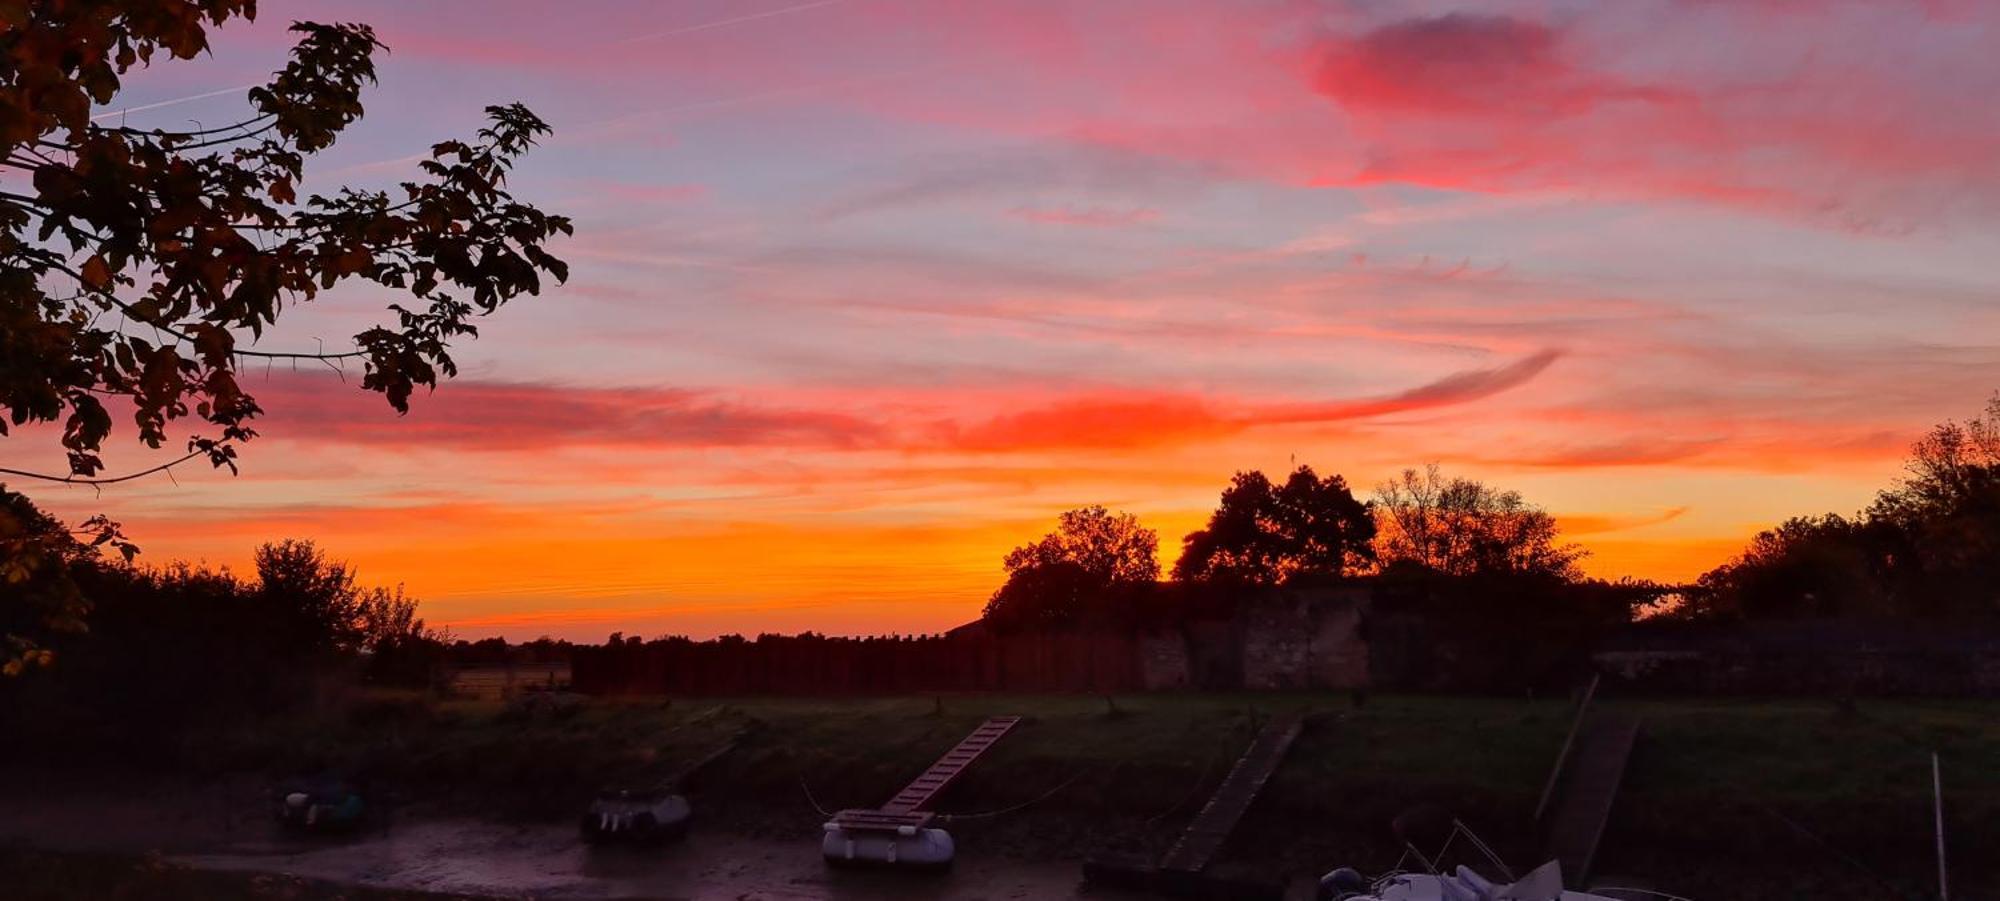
1543	883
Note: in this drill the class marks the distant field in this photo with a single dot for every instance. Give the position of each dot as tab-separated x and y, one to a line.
495	682
1726	799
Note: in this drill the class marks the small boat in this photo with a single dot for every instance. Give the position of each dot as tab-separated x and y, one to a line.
635	816
1432	883
1544	883
325	804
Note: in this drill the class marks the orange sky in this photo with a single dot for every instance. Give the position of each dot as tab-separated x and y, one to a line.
866	292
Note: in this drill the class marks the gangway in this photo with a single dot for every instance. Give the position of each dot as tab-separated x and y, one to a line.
1576	804
1182	870
899	833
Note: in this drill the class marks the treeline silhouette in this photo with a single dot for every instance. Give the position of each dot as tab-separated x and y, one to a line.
1927	548
160	651
1470	587
1422	533
138	650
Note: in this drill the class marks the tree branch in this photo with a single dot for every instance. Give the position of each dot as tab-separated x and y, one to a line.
184	336
84	480
163	133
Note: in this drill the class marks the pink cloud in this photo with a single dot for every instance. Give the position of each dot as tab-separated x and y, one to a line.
1499	104
1088	217
518	417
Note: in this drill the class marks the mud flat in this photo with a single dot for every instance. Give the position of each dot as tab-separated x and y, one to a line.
1771	798
218	827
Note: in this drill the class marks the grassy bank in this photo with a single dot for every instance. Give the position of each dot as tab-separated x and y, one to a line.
1770	799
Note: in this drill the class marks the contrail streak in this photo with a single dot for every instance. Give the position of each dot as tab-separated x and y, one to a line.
176	101
724	23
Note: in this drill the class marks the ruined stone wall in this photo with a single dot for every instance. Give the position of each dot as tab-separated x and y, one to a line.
1827	657
1305	639
1339	656
1163	661
1277	642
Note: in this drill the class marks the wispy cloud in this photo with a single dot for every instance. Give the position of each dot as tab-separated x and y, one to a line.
725	23
1087	217
126	111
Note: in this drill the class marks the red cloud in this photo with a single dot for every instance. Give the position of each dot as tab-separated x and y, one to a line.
1468	65
1096	422
512	417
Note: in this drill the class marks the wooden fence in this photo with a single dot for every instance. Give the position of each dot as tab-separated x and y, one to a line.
822	665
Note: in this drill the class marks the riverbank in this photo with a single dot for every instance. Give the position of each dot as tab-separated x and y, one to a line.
1772	799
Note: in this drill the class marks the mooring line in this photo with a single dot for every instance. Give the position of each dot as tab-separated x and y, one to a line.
1199	781
1830	848
1044	796
812	800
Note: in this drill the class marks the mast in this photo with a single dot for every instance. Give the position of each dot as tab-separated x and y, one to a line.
1937	799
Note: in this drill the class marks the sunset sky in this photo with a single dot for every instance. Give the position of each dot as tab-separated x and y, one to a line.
865	292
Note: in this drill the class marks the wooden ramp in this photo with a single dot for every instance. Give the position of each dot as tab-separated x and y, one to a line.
923	789
907	808
1587	791
1211	827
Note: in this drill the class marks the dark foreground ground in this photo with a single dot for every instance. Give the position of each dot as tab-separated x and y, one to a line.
1726	799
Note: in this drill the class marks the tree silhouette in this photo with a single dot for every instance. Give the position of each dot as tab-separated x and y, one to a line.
312	601
140	265
39	561
1928	547
1806	567
1461	527
1265	534
1109	547
1938	528
1092	554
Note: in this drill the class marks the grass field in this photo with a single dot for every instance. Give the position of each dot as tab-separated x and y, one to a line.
1726	799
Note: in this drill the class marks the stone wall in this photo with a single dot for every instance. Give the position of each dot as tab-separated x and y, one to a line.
1829	658
1163	661
1340	657
1305	639
1277	640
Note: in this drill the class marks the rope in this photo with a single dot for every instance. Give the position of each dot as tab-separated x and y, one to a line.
1638	891
1838	854
1044	796
1199	781
812	800
1438	861
1479	843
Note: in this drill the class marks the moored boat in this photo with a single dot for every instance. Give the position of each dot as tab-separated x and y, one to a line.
635	816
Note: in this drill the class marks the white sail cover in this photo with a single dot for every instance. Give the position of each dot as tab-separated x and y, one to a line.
1544	883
